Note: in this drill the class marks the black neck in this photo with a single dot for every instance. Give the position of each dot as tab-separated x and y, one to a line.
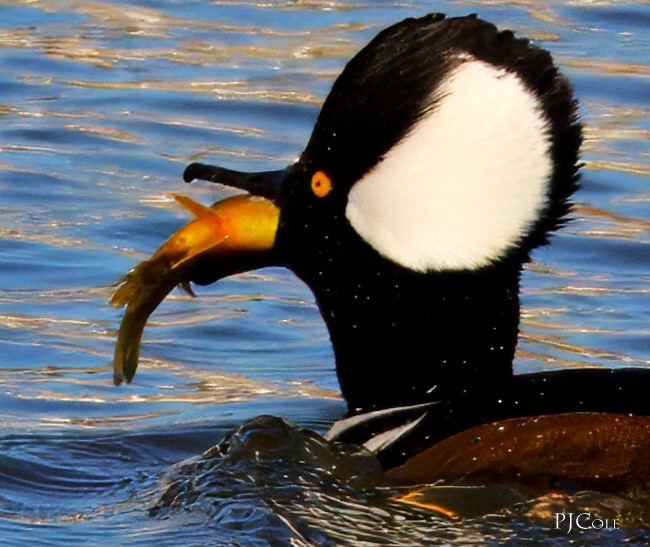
401	338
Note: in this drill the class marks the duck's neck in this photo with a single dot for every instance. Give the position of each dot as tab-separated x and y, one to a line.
403	338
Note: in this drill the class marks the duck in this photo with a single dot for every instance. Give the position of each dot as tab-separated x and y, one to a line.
446	151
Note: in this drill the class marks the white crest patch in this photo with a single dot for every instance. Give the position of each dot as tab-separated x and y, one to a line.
466	183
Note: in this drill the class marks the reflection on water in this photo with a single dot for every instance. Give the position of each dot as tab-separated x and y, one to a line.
102	104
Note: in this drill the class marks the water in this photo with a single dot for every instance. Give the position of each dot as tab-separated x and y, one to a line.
102	104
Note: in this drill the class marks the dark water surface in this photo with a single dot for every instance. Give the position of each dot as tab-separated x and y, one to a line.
102	104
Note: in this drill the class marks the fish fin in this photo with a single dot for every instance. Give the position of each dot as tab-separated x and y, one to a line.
197	209
186	287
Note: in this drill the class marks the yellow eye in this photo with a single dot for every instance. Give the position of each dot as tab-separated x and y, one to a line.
321	184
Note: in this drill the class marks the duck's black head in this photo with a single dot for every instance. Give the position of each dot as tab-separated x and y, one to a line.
445	152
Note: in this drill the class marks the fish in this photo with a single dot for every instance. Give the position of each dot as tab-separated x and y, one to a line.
232	235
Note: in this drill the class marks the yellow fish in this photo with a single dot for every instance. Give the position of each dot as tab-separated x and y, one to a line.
233	235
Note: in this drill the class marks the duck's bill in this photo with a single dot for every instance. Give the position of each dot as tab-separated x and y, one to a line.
234	235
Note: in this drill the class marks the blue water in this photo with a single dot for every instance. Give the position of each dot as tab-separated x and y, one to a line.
102	104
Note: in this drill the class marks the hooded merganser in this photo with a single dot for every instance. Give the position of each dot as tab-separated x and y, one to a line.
445	152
